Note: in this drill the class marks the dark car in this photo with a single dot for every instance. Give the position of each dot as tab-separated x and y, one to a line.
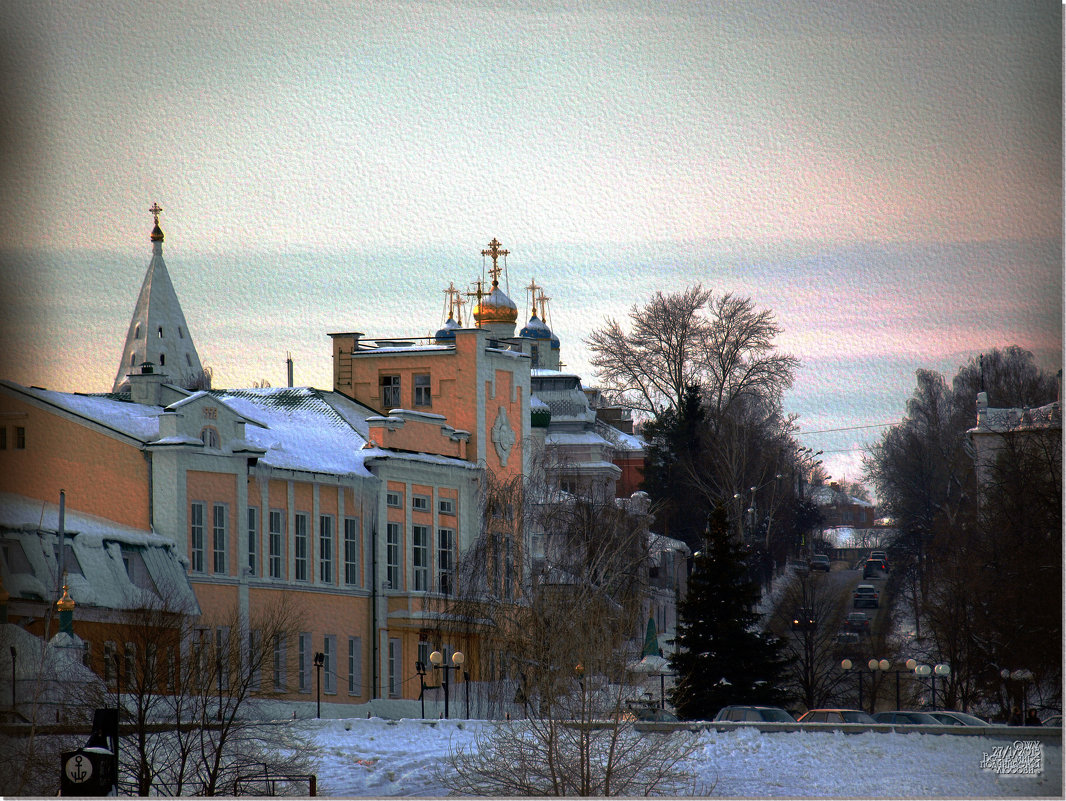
804	620
866	595
880	555
835	716
951	718
857	621
907	718
820	562
874	568
654	714
754	714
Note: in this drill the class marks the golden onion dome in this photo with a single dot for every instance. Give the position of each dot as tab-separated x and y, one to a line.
496	307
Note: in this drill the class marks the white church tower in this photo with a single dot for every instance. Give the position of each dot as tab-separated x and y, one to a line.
158	333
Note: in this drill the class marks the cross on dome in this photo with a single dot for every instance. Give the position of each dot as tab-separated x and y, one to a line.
495	251
533	287
156	208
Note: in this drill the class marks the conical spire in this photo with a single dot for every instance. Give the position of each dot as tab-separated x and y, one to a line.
158	332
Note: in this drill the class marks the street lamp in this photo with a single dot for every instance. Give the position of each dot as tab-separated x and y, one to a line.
943	670
437	658
847	665
420	669
320	658
1023	676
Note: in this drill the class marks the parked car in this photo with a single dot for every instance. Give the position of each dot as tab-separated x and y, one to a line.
866	595
804	620
800	566
907	718
857	621
835	716
951	718
754	714
874	568
654	714
847	638
820	561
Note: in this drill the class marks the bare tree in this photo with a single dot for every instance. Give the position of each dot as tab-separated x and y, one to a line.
567	641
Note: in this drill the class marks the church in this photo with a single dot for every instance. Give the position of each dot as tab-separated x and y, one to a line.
352	505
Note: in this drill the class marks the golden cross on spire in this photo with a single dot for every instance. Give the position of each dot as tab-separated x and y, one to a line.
459	302
543	299
533	287
156	208
478	293
495	251
452	294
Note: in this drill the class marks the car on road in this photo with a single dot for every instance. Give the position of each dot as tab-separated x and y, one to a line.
801	566
951	718
653	714
866	595
907	718
874	568
857	621
820	561
804	620
754	714
835	716
883	556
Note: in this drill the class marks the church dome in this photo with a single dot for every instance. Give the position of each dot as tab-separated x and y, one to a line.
446	333
535	329
496	307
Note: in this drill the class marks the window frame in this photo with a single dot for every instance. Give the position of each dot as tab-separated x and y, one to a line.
253	539
445	561
390	389
325	549
300	546
219	538
351	551
446	506
196	536
420	561
393	542
355	666
420	503
276	544
420	390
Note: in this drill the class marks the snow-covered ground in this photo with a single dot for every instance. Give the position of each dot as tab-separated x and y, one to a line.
376	757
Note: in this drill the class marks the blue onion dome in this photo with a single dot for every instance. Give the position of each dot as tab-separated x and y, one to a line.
555	342
446	333
535	329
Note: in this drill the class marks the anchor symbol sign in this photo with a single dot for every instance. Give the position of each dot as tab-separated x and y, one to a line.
78	769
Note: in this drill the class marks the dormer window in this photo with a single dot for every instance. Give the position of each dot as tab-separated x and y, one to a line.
209	436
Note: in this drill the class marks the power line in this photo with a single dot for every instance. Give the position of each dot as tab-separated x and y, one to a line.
848	428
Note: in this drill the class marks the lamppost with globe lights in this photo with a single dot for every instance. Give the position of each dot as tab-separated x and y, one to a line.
1023	677
437	659
885	667
847	665
925	671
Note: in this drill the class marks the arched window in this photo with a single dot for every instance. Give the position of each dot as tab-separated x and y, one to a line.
133	360
181	334
188	359
162	359
137	331
209	436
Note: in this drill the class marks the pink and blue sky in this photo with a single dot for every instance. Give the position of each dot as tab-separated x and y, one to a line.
887	177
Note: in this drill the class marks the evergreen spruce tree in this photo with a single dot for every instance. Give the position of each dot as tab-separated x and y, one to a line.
723	657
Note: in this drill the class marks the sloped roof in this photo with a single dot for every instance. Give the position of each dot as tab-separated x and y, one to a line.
99	577
132	419
302	428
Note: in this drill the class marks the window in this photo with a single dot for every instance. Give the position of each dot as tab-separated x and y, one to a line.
446	506
196	537
304	656
279	663
218	538
109	662
420	553
393	499
325	549
351	550
255	644
137	331
129	666
355	666
181	335
329	670
300	546
395	653
445	561
160	332
188	360
209	436
421	384
133	360
277	525
423	653
222	655
392	555
420	503
20	438
390	391
162	359
253	538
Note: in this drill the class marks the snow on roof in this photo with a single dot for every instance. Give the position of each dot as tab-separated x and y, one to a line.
60	658
660	542
576	438
999	421
537	403
132	419
303	428
99	575
620	439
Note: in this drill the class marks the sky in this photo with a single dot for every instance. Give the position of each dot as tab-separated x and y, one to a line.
886	178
